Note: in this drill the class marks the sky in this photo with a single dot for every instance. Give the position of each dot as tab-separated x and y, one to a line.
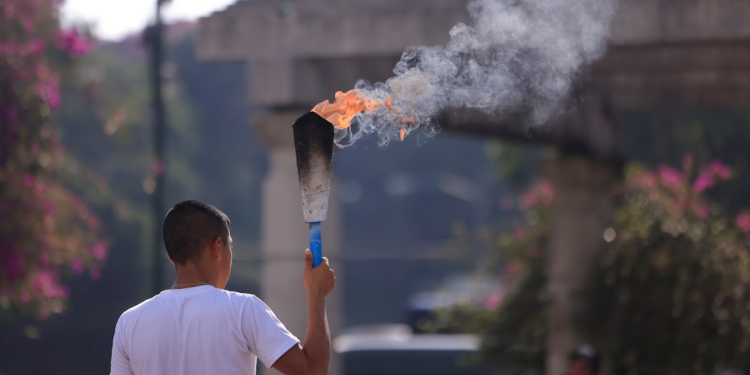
113	20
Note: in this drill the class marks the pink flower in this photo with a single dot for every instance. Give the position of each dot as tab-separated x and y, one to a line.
35	46
9	9
42	280
492	301
704	181
48	92
702	210
73	43
27	23
670	177
49	206
28	180
547	191
99	250
77	266
543	192
158	166
48	285
743	221
720	169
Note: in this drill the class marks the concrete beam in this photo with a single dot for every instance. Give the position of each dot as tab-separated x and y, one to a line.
676	76
272	30
673	21
304	83
219	36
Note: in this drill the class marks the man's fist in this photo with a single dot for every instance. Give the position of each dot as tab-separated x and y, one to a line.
319	281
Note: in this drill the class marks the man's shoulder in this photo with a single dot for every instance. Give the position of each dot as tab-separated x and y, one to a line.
135	309
245	302
240	297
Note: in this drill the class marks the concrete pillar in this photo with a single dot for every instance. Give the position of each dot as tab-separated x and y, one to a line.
285	235
582	211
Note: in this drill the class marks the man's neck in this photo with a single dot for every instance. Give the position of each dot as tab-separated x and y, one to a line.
189	276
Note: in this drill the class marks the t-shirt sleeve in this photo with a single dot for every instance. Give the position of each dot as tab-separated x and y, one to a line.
265	334
120	364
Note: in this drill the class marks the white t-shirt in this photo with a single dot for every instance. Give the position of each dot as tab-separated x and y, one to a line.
200	330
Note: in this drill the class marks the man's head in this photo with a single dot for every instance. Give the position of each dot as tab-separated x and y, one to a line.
197	236
584	361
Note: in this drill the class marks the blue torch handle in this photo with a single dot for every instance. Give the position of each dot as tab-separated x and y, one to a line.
316	244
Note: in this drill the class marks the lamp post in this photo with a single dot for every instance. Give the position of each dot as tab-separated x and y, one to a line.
153	39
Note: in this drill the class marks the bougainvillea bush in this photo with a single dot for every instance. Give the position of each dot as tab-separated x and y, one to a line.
673	291
46	231
671	295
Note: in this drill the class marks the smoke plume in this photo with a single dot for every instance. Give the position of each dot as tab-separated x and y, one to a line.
516	56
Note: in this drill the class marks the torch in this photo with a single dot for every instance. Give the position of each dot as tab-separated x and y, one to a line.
313	144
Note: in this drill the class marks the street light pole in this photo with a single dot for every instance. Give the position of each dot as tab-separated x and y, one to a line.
154	36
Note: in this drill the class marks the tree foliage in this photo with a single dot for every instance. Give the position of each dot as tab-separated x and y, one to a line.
46	231
671	294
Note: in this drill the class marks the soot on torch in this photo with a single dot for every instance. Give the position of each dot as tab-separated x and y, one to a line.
313	144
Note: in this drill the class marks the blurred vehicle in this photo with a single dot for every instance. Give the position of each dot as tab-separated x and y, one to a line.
396	350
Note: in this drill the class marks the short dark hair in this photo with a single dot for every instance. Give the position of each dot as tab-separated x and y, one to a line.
190	226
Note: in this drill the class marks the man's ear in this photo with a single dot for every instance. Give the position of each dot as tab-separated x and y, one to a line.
216	248
170	259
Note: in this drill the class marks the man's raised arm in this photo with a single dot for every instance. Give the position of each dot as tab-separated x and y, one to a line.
314	356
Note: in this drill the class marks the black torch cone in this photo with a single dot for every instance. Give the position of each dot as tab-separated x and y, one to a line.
313	143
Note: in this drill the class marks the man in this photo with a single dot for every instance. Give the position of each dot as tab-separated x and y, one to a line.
584	361
197	327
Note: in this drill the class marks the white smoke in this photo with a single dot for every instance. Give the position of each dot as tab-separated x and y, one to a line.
517	56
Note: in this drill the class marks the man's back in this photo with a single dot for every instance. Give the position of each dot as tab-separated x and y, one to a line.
199	330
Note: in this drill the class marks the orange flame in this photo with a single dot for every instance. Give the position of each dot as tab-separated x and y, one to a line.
351	103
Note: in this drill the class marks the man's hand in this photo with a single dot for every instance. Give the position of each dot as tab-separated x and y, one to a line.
319	281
